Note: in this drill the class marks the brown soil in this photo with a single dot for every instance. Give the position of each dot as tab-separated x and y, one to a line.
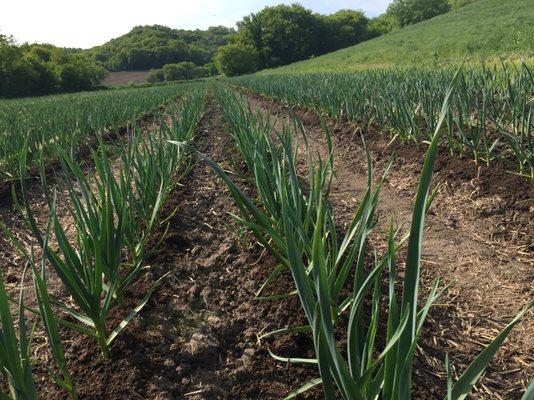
125	77
479	237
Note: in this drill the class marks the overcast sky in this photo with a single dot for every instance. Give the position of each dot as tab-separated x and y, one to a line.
74	23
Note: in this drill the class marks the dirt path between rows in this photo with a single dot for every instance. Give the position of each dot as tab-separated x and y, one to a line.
479	236
197	338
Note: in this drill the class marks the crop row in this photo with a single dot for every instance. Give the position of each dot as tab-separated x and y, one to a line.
292	218
70	121
490	115
96	251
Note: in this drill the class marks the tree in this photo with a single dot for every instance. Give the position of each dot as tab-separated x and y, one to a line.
407	12
211	68
381	25
47	80
171	51
79	74
139	58
237	59
343	29
42	69
199	55
155	75
282	34
183	71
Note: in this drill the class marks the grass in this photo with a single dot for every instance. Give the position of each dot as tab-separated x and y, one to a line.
485	29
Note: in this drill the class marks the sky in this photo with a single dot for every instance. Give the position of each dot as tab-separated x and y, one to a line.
75	23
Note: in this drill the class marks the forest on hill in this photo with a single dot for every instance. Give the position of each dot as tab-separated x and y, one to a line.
485	32
154	46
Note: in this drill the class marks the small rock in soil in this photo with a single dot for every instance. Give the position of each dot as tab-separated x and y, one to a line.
248	356
203	346
213	321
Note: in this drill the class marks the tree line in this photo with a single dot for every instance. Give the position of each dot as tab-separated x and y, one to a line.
38	69
182	71
154	46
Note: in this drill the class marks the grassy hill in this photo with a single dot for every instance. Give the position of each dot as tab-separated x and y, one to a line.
484	29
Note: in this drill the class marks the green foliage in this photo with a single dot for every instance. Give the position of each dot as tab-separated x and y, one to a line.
342	29
155	75
42	69
381	25
211	68
456	4
282	34
51	325
115	212
79	74
183	71
483	29
408	12
153	46
237	59
69	121
287	33
337	280
15	342
111	211
490	115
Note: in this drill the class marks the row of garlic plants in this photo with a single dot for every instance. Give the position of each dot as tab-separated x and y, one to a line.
489	116
114	211
47	125
293	220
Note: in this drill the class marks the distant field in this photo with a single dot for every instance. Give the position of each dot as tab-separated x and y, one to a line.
485	29
125	77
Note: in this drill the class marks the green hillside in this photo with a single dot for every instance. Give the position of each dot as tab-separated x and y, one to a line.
484	29
153	46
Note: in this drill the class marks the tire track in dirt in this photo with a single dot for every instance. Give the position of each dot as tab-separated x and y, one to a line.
490	283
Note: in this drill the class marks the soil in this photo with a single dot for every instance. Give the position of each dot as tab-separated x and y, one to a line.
197	338
479	238
125	77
